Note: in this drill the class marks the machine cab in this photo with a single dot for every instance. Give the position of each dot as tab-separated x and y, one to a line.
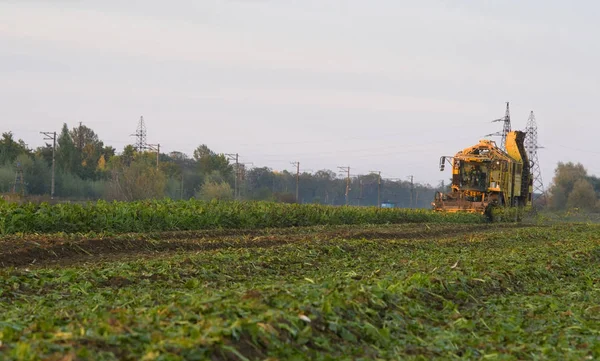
472	176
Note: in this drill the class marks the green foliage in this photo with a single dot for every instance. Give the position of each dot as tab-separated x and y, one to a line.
497	293
508	214
136	179
573	188
211	190
582	196
7	178
209	161
167	215
71	186
11	149
66	153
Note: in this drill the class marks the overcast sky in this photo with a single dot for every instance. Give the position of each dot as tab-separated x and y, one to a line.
386	85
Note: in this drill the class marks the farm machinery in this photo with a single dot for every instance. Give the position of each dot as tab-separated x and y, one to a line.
484	176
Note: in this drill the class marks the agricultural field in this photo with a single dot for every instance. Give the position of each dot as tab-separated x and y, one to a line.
415	288
167	215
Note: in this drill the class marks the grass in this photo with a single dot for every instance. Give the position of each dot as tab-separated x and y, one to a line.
418	291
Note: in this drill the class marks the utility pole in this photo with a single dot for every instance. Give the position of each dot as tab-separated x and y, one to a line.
378	187
181	190
80	140
52	136
360	184
19	180
506	128
532	146
297	164
347	170
140	135
412	189
235	157
155	147
242	179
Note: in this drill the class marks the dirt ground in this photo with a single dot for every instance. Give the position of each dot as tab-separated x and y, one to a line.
55	250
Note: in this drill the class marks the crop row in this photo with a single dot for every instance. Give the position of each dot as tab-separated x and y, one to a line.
166	215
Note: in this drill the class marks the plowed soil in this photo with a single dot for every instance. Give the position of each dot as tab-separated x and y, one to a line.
36	250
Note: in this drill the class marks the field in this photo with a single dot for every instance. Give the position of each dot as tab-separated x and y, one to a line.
165	215
419	290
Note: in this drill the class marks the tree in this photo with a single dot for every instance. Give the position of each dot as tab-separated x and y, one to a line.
89	151
11	149
565	177
582	196
137	180
66	158
211	190
208	161
37	174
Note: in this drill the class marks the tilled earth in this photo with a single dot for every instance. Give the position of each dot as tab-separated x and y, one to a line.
415	292
39	250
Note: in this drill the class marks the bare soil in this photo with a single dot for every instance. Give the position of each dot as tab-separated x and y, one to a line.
44	250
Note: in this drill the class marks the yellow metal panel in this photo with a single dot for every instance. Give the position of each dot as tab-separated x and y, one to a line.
512	148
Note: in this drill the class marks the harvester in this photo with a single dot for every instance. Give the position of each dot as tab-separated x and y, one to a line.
484	176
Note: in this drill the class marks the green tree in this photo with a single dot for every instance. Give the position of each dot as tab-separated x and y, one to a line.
565	177
208	161
37	174
89	151
582	196
135	179
66	157
211	190
11	149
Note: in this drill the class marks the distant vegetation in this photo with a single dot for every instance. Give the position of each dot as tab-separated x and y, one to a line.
87	169
574	188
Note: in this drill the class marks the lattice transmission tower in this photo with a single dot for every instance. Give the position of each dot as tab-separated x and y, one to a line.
532	146
140	135
19	185
506	126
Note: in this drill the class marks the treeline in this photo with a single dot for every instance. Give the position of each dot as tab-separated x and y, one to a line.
87	169
572	187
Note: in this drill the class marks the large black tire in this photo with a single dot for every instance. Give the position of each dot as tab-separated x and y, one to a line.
489	213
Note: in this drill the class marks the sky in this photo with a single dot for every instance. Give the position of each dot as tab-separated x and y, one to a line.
386	85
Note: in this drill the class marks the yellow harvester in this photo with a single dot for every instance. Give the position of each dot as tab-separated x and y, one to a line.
485	176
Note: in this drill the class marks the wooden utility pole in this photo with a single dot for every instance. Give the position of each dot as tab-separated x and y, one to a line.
360	184
155	147
347	170
378	187
181	190
297	164
80	136
412	189
242	180
52	136
236	172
